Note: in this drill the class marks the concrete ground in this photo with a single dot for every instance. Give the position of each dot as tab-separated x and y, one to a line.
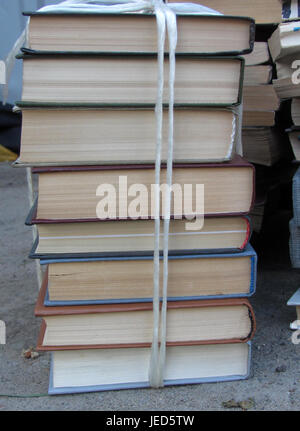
275	380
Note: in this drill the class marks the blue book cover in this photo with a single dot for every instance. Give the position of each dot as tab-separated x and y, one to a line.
248	252
201	365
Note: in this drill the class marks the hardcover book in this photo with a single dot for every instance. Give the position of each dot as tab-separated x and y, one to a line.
135	237
285	88
257	75
85	281
52	80
130	325
75	371
136	33
118	135
263	145
258	118
284	67
260	98
259	55
228	190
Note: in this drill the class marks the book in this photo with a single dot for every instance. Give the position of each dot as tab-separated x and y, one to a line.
115	79
295	111
259	55
284	47
136	33
284	67
258	118
75	371
107	326
264	12
294	301
63	136
285	88
263	145
261	98
250	118
257	75
228	190
285	40
132	237
107	280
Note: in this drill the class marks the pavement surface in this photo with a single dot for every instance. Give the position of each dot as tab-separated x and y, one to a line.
274	383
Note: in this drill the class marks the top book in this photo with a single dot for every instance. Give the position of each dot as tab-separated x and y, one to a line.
136	33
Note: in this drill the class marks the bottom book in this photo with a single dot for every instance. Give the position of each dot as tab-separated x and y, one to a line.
74	371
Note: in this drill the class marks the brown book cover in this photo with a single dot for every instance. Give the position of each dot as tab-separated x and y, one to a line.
237	161
42	311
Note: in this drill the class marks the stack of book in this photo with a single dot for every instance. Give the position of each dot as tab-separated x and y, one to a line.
284	46
261	140
89	91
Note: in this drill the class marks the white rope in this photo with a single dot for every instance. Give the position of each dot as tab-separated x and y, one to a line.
172	37
232	137
165	17
239	125
161	33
